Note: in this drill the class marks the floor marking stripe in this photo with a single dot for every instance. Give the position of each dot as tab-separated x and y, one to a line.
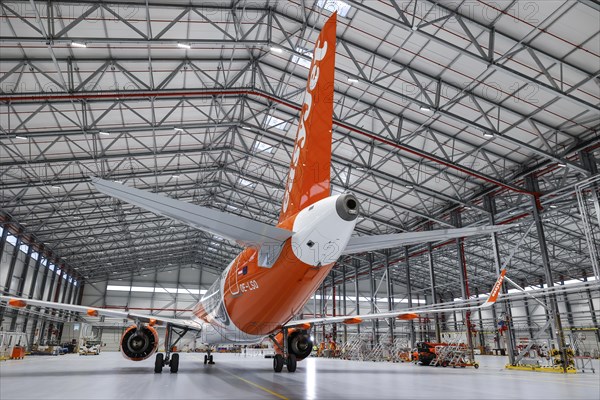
258	386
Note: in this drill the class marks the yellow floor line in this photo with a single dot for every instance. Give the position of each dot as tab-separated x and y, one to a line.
258	386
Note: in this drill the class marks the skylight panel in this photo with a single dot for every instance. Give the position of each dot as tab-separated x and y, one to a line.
303	61
261	147
246	182
275	122
341	7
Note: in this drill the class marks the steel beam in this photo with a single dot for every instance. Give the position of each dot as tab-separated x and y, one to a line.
532	184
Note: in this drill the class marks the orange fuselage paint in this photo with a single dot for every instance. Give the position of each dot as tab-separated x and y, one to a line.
286	287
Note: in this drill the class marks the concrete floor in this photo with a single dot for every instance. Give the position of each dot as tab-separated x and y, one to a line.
109	376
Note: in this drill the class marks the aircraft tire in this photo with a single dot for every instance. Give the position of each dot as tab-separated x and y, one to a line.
158	363
292	363
278	363
205	359
174	363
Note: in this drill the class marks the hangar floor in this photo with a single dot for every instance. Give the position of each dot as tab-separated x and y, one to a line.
109	376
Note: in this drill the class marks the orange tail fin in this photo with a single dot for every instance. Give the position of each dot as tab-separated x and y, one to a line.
495	290
309	176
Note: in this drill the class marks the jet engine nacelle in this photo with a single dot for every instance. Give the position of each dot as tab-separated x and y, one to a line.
299	343
138	344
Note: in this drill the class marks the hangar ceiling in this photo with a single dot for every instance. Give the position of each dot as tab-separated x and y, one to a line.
437	105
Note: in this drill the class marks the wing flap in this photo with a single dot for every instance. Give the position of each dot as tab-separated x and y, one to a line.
244	231
359	244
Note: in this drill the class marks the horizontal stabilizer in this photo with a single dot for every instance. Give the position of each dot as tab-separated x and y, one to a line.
244	231
359	244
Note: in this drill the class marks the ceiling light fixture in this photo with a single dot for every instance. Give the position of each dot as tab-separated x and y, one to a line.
104	133
80	45
178	129
425	108
352	80
184	46
561	164
277	50
488	134
21	137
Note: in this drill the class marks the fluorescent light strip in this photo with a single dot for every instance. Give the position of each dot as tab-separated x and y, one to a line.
80	45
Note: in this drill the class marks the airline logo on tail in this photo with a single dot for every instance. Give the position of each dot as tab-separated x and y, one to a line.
313	79
495	290
309	177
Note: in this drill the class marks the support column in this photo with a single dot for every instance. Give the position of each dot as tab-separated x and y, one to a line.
592	309
464	282
357	293
490	206
36	271
21	288
390	295
374	338
344	305
532	186
333	306
438	332
481	333
51	291
3	239
567	306
409	295
527	313
40	295
323	310
11	271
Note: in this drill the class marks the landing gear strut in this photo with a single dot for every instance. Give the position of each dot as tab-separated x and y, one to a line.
172	360
208	358
286	358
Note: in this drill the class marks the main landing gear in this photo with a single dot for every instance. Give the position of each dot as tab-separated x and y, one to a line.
208	358
288	359
172	360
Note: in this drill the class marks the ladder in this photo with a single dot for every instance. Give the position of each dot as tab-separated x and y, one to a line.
583	357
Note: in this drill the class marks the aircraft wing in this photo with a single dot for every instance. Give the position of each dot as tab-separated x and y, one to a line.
359	244
19	302
401	315
244	231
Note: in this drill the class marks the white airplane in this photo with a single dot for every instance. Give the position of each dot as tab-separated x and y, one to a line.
269	282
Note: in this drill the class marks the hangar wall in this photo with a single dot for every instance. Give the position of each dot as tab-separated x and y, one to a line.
29	270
